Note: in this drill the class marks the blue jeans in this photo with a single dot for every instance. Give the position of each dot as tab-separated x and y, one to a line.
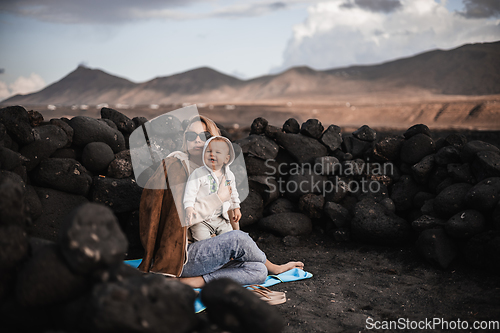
232	255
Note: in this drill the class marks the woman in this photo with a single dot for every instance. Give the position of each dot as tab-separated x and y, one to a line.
233	254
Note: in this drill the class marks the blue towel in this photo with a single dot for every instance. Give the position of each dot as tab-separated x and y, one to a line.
288	276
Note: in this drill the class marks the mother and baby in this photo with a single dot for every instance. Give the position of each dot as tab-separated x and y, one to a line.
202	241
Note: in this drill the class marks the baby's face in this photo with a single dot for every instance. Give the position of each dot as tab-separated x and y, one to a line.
216	155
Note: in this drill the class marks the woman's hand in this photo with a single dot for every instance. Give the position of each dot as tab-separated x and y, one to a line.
224	192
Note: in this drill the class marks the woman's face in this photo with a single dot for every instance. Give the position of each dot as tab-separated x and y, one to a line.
195	148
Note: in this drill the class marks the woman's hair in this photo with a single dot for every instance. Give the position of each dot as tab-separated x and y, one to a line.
209	123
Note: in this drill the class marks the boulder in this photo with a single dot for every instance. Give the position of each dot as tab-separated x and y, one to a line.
291	126
251	208
355	146
312	205
139	121
422	170
451	200
365	133
55	206
486	164
12	192
485	195
10	159
258	126
259	145
258	166
416	147
326	165
121	166
266	186
14	245
447	155
46	279
49	139
312	128
284	224
65	127
236	309
425	222
470	149
302	182
123	123
53	134
281	205
272	131
97	156
91	238
338	214
465	224
17	124
436	247
372	223
421	197
461	173
32	203
87	130
63	174
456	140
142	304
121	195
389	148
417	129
403	193
332	137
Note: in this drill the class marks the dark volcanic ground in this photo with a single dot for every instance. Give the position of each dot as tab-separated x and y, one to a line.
353	282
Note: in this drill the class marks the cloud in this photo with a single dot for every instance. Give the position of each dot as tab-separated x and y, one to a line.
22	85
384	6
481	8
335	35
123	11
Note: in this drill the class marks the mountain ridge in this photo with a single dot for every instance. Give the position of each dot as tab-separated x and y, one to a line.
471	69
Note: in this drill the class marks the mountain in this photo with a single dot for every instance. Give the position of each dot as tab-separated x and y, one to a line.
472	69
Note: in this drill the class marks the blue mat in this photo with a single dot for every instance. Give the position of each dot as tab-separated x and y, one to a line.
288	276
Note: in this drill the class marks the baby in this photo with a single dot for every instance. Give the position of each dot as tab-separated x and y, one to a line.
218	154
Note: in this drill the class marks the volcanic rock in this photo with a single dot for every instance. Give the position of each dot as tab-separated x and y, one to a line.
416	147
266	186
258	166
486	164
251	208
10	159
461	173
403	193
122	122
121	195
12	191
389	148
87	130
470	149
237	309
332	137
65	127
485	195
312	205
448	154
417	129
465	224
97	156
312	128
291	126
121	166
372	223
14	245
483	250
451	200
303	182
281	205
326	165
17	124
365	133
338	214
422	170
425	222
272	131
63	174
259	145
456	140
32	203
258	126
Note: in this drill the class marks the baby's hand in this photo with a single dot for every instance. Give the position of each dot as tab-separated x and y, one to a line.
190	213
236	215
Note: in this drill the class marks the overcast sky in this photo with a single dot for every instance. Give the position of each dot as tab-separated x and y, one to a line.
44	40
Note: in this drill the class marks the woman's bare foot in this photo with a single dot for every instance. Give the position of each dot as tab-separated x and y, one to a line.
278	269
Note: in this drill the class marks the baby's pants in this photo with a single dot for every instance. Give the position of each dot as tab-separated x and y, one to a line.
206	229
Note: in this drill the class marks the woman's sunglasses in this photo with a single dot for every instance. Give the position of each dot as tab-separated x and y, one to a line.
204	136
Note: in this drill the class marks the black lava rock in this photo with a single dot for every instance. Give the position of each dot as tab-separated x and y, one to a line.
281	205
258	126
65	127
486	164
284	224
312	205
63	174
272	131
91	238
389	148
236	309
87	130
455	139
291	126
422	170
332	137
251	208
121	195
485	195
448	154
302	182
122	122
36	118
403	193
355	146
425	222
437	247
139	121
266	186
470	149
303	148
258	166
121	166
483	250
417	129
10	159
32	203
465	224
338	214
421	197
53	134
326	165
14	245
12	192
416	147
97	156
17	123
365	133
55	206
312	128
46	279
461	173
142	304
451	200
372	223
259	145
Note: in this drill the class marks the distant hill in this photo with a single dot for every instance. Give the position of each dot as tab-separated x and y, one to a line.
472	69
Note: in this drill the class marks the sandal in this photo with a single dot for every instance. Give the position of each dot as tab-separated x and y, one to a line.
271	297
